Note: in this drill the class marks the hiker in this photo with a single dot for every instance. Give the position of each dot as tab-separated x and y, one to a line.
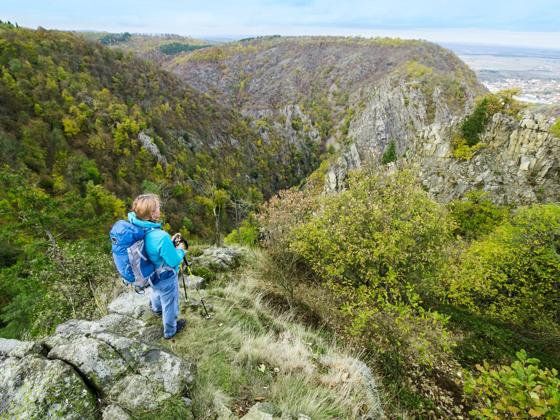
164	299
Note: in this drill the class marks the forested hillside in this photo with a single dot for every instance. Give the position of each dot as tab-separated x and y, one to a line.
335	91
83	129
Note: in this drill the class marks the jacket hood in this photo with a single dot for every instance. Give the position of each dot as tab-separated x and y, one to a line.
132	218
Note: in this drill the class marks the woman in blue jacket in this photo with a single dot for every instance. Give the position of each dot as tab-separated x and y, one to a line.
164	299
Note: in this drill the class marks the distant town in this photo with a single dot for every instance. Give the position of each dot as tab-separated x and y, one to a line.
536	72
540	91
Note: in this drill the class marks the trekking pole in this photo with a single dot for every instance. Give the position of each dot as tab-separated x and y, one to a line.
188	264
184	284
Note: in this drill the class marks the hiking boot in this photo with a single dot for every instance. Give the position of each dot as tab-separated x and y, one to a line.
181	324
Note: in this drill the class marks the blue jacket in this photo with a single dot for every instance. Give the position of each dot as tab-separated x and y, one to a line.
159	247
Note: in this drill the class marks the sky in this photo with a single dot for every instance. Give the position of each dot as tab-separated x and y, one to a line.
527	23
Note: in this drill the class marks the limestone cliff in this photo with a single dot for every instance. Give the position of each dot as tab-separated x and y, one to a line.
519	163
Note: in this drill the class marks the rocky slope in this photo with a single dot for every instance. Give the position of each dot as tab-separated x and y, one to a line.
117	367
519	162
109	368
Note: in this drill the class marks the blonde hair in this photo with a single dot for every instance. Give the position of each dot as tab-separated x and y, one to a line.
144	205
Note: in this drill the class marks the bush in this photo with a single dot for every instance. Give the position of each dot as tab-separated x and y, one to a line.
390	154
520	390
379	246
502	102
283	212
381	232
555	128
247	234
513	274
476	216
75	281
462	151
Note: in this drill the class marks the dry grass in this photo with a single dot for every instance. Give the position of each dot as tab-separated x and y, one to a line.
249	352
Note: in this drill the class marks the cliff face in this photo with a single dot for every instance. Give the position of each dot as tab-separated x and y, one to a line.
519	164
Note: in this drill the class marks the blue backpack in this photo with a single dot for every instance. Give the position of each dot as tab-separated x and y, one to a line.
129	254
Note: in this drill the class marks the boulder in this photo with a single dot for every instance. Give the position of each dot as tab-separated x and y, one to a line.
261	411
114	412
131	304
16	348
114	359
34	387
219	258
194	282
97	361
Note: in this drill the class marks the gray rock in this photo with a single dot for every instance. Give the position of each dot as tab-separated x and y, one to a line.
115	355
219	258
34	387
138	394
131	304
16	348
114	412
194	282
96	360
148	144
261	411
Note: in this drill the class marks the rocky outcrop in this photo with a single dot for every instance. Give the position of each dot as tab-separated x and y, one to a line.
219	258
519	162
110	368
148	144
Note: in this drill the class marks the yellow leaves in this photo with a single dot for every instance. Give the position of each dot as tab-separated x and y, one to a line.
535	413
71	127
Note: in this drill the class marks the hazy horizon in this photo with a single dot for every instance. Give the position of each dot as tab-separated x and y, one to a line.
500	23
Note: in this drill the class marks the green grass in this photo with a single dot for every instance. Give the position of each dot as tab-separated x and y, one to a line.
249	352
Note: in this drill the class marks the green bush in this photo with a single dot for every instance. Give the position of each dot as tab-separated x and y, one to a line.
520	390
462	151
247	234
380	232
513	273
474	124
477	215
73	281
390	154
555	128
379	245
492	103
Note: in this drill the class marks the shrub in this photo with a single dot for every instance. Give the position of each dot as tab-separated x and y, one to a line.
379	245
476	215
390	154
492	103
282	213
513	273
75	281
462	151
520	390
555	128
380	232
247	234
